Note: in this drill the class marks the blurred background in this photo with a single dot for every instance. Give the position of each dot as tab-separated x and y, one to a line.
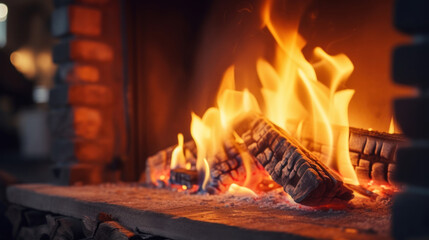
26	74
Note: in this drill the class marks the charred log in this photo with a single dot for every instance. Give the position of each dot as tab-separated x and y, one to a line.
228	167
183	176
159	163
306	179
372	153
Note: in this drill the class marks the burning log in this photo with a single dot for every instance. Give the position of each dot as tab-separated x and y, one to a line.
306	179
159	164
183	176
229	167
372	153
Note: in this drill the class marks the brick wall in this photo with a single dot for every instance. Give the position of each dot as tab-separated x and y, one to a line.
87	114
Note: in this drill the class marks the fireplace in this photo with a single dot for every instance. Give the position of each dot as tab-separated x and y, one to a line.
131	72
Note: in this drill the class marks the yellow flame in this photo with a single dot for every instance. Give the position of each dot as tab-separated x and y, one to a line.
188	166
210	130
392	126
293	91
206	133
240	191
178	159
303	98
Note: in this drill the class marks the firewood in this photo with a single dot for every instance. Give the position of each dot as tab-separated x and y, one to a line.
112	230
159	164
62	227
227	166
371	153
15	215
306	179
183	176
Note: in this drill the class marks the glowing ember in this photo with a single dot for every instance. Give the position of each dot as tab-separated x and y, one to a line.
240	191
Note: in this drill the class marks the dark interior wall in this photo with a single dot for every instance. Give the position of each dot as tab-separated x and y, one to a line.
162	37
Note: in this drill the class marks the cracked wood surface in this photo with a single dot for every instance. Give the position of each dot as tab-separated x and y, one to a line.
306	179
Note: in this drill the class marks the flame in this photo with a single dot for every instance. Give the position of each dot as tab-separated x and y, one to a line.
209	131
237	190
305	99
292	91
392	126
207	136
178	159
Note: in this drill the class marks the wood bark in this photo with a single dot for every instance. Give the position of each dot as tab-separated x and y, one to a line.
306	179
228	167
183	176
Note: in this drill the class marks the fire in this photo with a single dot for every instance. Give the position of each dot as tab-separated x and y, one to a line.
237	190
392	126
293	92
178	158
303	98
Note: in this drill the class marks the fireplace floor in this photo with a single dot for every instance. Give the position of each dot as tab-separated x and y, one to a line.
178	215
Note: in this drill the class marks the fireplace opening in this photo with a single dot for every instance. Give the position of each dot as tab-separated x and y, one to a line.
277	112
233	40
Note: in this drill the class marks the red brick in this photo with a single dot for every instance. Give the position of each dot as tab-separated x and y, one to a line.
81	122
87	122
84	21
82	50
76	20
85	73
80	94
82	150
89	94
77	73
90	51
100	151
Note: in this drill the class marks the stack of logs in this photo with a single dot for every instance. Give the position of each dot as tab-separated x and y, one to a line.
372	154
34	224
292	164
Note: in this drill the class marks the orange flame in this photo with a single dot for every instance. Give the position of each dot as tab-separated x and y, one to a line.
237	190
292	92
392	126
178	159
294	99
